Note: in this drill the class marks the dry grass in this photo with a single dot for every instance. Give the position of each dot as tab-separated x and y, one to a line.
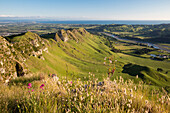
83	96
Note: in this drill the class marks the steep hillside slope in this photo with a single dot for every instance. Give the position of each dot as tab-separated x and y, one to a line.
73	52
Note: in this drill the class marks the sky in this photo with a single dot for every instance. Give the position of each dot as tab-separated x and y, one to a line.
87	9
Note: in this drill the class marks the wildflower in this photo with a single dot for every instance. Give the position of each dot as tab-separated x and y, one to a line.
146	101
136	76
42	86
29	84
32	90
146	112
104	63
53	75
71	82
29	87
105	58
131	90
131	95
124	91
130	101
110	61
55	78
129	105
135	87
81	98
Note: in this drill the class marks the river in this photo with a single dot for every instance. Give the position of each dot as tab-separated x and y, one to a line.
156	46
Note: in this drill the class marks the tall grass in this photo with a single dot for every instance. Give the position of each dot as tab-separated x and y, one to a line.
65	95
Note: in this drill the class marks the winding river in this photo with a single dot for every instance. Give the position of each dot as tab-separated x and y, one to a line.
161	47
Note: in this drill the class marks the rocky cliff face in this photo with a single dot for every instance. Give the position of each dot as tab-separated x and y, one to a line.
73	34
11	62
15	51
63	35
29	44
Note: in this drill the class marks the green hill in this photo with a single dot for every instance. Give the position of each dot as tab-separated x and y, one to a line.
76	53
73	52
147	74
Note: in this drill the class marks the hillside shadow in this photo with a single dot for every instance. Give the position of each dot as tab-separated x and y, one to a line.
9	38
134	55
133	70
48	36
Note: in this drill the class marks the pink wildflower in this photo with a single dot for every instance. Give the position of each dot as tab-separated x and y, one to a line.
71	82
29	87
42	86
32	90
29	84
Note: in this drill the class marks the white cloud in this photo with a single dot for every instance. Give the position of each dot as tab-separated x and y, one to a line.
7	16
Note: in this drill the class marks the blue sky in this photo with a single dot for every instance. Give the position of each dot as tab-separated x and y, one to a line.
88	9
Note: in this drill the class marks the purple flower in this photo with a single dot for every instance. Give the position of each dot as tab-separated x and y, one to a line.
71	82
32	90
29	87
42	86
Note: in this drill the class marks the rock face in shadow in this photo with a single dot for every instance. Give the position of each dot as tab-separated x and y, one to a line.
19	70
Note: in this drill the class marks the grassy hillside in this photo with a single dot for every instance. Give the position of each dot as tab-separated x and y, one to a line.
75	53
73	57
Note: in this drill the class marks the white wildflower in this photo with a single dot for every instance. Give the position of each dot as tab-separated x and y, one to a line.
146	101
136	76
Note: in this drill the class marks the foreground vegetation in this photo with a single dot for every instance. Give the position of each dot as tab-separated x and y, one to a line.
48	94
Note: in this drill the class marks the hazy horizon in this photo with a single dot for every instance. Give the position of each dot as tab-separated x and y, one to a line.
86	9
